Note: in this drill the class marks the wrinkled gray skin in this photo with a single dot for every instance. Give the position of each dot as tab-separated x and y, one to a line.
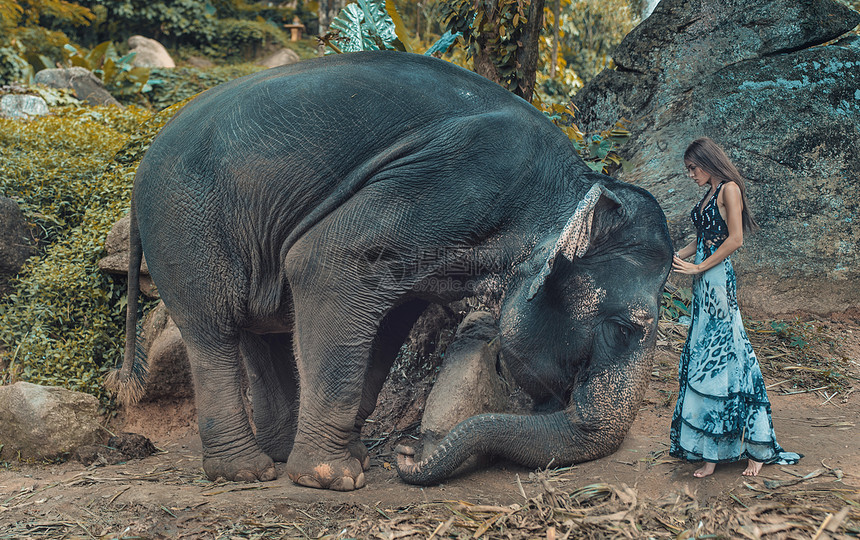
300	219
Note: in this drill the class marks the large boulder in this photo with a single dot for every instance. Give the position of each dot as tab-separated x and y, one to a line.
15	246
469	382
116	259
168	370
42	422
87	87
750	74
149	53
282	57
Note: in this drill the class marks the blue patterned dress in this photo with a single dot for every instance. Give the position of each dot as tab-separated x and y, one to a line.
722	414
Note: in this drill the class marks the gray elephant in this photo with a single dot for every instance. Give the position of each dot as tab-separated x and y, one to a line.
300	219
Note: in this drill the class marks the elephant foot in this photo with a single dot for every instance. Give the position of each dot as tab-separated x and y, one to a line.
313	469
359	451
257	468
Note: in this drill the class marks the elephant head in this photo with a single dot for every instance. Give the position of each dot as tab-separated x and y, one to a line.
578	325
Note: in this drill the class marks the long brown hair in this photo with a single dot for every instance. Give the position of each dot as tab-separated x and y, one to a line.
708	155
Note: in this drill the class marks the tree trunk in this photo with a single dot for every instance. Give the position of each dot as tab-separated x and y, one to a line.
528	55
556	14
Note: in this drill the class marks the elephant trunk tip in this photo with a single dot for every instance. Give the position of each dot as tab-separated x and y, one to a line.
407	468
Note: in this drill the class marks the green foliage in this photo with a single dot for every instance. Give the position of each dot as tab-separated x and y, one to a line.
178	84
10	12
365	25
591	29
170	21
63	324
239	9
120	78
598	152
43	47
675	303
13	65
494	28
423	19
31	12
241	38
224	28
793	334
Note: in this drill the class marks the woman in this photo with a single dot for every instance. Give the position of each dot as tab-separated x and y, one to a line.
722	414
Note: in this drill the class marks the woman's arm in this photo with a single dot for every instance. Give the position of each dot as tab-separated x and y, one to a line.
733	203
687	251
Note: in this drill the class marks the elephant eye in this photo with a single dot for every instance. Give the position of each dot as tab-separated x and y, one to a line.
624	331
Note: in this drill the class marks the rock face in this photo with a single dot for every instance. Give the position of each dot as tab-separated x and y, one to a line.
40	422
116	260
169	374
282	57
748	74
468	382
87	86
22	106
150	53
15	247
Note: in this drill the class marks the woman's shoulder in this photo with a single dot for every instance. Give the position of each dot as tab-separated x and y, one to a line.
729	190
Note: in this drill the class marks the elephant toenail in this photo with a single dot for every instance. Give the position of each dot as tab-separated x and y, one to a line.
307	481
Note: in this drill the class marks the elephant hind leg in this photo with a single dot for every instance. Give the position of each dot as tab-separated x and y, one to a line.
274	390
393	331
230	450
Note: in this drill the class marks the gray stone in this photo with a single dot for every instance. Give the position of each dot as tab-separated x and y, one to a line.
748	74
22	106
15	246
468	382
149	53
282	57
169	373
199	62
87	87
42	422
116	260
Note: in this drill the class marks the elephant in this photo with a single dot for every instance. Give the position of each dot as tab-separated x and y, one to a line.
297	221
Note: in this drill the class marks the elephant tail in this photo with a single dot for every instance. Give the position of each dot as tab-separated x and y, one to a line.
529	440
129	382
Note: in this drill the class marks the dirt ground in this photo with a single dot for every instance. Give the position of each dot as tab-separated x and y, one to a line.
639	491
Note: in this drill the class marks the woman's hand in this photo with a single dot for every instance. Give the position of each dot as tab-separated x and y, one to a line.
683	267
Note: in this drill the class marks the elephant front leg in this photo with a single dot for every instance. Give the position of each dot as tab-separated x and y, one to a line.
393	331
332	377
230	450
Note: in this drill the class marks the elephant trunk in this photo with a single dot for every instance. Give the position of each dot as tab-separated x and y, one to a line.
529	440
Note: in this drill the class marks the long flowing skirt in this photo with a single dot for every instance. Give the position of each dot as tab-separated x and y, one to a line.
723	413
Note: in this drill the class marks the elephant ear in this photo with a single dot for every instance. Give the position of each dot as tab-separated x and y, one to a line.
576	235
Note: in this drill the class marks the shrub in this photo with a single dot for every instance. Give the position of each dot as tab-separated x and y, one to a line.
177	84
64	323
242	39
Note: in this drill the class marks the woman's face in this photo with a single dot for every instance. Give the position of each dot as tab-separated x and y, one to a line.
698	174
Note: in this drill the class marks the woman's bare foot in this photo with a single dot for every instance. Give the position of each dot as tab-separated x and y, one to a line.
753	468
706	470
